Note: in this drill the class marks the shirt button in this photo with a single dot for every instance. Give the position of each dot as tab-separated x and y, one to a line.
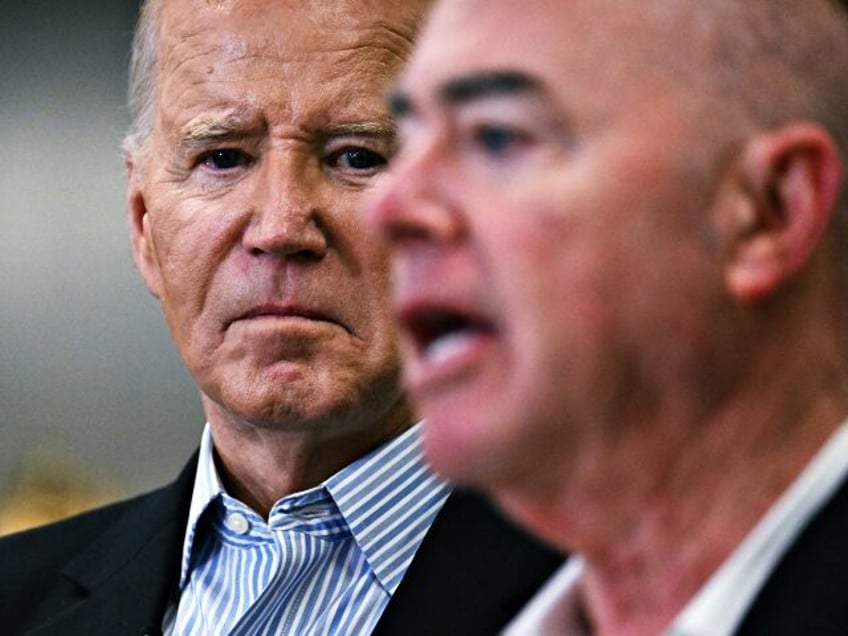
238	523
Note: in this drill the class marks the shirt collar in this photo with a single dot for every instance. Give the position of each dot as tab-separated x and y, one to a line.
719	606
207	488
388	498
555	609
722	603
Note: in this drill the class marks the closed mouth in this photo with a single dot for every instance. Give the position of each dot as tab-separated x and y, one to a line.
276	311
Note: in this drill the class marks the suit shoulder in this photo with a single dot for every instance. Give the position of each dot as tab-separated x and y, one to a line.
67	535
50	545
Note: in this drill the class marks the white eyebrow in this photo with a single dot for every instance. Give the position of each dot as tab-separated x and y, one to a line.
206	128
381	128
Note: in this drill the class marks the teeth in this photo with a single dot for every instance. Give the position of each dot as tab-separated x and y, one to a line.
448	346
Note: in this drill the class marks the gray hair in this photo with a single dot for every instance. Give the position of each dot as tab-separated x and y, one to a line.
141	94
758	64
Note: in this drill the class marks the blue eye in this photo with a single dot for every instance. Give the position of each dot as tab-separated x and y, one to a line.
495	139
359	159
225	159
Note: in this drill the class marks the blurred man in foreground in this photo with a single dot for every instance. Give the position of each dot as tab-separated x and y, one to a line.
256	126
619	232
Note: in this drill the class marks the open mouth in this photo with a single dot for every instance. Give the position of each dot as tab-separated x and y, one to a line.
442	334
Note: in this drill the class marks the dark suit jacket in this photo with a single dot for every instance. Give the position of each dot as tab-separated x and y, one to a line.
112	571
808	592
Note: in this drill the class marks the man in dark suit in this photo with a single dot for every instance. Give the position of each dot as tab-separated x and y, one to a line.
619	233
256	128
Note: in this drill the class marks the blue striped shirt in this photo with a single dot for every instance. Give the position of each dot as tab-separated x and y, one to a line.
327	560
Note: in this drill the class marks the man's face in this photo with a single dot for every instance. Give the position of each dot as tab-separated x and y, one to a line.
269	124
550	227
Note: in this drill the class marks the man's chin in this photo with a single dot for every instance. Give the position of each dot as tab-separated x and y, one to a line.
459	447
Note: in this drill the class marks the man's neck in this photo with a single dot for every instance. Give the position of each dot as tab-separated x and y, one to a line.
261	464
651	544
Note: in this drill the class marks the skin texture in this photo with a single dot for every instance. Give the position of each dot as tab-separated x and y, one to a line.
269	124
649	299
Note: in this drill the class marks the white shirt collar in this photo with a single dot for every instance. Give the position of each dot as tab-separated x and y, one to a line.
555	607
387	477
720	605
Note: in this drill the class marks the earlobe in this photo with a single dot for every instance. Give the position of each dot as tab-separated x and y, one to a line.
788	187
141	240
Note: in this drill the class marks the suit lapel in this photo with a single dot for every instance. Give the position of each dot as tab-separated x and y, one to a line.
122	582
472	573
806	593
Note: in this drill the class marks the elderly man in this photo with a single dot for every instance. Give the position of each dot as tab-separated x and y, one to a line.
256	126
621	271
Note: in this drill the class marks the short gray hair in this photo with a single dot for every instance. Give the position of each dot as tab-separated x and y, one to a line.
758	64
141	93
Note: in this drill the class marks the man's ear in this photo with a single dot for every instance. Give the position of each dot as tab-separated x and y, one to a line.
787	189
141	239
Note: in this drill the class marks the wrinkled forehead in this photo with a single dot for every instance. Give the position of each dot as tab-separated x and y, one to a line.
235	29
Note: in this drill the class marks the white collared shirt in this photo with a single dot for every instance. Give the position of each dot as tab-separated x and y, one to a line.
326	561
721	604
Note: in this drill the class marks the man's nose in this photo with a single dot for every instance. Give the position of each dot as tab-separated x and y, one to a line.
289	209
411	203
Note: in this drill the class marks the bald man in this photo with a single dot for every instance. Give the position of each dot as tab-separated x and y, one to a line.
619	232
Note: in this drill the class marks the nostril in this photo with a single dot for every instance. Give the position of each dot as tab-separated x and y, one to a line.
406	233
303	255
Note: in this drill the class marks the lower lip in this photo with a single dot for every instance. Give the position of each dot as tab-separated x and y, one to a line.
451	363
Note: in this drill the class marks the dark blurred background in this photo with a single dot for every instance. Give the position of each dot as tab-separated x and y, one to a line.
94	401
